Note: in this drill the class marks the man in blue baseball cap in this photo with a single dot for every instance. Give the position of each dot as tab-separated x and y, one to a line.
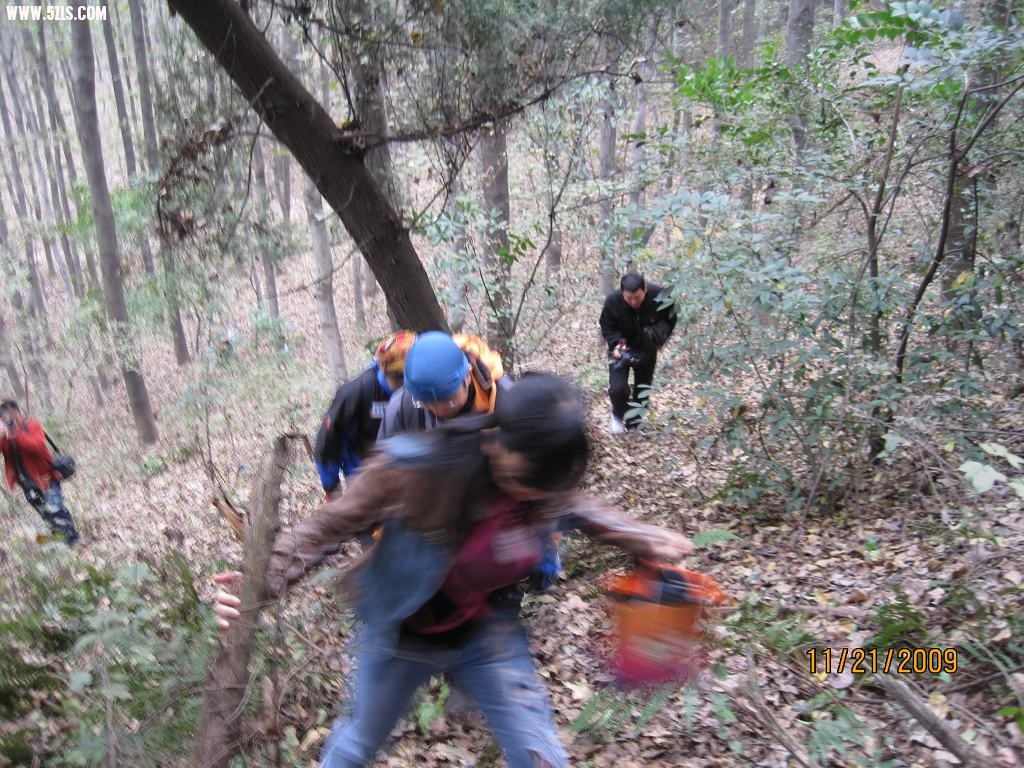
445	376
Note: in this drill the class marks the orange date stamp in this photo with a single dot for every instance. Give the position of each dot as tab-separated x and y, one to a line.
900	661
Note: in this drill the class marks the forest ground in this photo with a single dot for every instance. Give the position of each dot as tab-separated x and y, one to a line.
903	560
828	584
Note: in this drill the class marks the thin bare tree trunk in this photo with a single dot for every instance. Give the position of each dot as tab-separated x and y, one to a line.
16	183
553	256
497	253
608	169
25	319
636	153
333	345
266	250
68	267
749	32
123	123
838	12
59	127
799	28
125	126
106	233
171	292
458	288
368	75
126	69
145	92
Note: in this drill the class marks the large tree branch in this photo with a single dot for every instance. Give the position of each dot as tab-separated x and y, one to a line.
335	165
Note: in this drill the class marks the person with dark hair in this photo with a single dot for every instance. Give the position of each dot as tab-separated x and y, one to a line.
350	426
636	321
463	510
29	464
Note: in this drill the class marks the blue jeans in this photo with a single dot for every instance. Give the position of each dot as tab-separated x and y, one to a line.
50	506
493	665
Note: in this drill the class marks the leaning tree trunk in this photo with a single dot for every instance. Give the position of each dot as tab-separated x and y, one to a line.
106	233
497	255
325	153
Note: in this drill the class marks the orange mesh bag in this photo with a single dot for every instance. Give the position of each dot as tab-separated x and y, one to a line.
662	614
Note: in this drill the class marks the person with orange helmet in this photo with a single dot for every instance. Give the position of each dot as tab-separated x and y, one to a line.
349	428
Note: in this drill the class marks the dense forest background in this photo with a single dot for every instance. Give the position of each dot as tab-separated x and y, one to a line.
211	211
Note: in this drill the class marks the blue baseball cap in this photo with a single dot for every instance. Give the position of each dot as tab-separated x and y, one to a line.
435	367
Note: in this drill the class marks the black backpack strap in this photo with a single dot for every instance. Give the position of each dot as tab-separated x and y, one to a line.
52	444
23	479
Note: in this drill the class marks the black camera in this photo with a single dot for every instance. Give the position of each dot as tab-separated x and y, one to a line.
627	357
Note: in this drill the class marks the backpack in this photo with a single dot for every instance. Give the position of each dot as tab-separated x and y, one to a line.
63	463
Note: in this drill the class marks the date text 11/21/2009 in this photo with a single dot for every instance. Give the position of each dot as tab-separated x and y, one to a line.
901	661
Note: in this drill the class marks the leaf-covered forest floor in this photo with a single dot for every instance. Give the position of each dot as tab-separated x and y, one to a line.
906	557
894	566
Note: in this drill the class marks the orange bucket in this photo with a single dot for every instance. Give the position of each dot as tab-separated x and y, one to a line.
662	613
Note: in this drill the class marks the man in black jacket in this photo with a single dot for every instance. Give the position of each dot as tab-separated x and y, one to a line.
349	428
636	321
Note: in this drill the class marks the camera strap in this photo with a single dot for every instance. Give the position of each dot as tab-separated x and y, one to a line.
23	479
53	445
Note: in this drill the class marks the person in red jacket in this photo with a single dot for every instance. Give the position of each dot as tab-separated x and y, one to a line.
29	464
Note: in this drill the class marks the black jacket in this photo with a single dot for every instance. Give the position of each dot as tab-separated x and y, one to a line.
349	429
645	330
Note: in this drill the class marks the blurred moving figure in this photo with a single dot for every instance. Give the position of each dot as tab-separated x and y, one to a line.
464	511
30	465
350	426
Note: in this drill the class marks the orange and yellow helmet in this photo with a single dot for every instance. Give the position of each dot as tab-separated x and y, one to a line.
391	352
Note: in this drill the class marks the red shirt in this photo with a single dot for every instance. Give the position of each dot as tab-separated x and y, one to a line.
35	455
499	551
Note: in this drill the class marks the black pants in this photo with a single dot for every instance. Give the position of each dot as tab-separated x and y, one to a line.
619	390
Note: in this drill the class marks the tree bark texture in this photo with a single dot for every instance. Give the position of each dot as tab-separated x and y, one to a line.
637	154
59	128
106	233
145	89
799	28
607	171
267	255
749	37
16	182
334	347
123	123
228	677
325	154
497	254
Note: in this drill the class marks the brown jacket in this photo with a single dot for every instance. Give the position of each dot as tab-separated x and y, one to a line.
437	506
